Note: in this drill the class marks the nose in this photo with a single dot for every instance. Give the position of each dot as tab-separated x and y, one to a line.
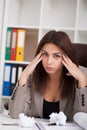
49	60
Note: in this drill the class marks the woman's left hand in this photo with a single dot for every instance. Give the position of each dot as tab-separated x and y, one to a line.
74	71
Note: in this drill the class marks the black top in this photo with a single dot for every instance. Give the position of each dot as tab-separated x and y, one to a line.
49	107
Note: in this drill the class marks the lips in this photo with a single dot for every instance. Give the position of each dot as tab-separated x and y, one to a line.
49	68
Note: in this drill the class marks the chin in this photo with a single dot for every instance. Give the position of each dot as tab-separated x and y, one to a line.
50	72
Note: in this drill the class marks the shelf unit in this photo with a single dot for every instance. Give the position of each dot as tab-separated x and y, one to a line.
1	30
40	16
1	25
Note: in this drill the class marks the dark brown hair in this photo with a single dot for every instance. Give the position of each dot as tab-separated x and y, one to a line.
62	40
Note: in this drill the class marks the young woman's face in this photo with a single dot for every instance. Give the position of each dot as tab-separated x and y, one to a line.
52	58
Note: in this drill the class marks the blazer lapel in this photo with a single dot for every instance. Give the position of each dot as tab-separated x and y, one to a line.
63	103
38	99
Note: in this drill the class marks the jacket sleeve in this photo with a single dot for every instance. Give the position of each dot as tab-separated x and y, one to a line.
80	104
20	100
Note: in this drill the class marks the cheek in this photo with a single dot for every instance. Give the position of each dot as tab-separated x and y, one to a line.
59	63
43	62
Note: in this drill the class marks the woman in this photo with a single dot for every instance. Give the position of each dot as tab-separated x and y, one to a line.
52	82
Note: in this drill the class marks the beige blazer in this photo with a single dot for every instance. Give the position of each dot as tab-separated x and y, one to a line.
25	100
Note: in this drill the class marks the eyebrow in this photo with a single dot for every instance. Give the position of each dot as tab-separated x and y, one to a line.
56	53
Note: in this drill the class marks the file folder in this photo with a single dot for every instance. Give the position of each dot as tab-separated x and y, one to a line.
20	69
8	43
7	80
13	44
20	44
13	77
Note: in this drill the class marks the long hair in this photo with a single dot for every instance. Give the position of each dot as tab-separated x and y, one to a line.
62	40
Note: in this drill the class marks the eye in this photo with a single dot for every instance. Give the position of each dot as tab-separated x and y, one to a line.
57	56
44	54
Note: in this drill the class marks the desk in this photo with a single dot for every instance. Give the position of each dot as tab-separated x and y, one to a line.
7	124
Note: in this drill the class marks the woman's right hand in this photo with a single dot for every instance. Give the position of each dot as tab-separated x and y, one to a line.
29	69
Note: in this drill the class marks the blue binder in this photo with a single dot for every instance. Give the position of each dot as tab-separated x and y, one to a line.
7	79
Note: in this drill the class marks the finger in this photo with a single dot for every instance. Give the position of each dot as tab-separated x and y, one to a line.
68	74
39	60
67	62
67	59
39	56
64	61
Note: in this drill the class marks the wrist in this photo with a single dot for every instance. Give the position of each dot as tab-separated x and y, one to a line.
82	83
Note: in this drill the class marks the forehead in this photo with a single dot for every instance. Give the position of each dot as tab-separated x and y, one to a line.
51	48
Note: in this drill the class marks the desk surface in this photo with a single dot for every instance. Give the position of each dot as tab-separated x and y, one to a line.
6	123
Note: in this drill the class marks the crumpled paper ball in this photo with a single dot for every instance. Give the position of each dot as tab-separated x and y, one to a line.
81	119
58	118
26	121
